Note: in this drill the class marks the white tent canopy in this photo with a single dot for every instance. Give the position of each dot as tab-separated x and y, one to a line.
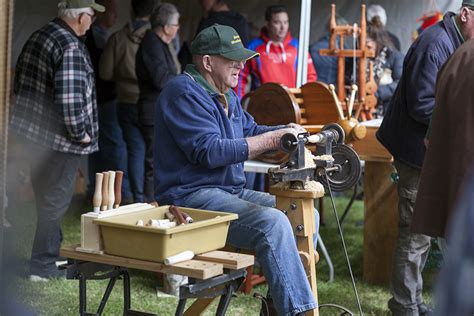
402	15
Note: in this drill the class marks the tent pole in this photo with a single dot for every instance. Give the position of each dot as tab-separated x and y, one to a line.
305	24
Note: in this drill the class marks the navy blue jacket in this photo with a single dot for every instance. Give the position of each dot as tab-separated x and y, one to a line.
408	115
197	145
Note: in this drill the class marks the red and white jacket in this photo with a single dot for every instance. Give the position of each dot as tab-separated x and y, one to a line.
277	63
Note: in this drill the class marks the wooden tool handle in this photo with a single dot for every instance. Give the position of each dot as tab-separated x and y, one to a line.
105	191
97	198
354	89
110	204
332	89
118	188
177	213
180	257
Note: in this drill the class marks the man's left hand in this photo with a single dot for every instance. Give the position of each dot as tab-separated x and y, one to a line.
297	127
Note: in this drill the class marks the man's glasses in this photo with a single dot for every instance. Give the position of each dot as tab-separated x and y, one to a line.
93	17
237	64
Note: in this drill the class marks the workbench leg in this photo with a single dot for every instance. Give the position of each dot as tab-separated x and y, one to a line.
300	212
126	292
106	296
199	306
225	299
181	306
82	294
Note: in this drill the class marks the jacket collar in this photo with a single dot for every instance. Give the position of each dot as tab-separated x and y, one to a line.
452	29
224	98
66	26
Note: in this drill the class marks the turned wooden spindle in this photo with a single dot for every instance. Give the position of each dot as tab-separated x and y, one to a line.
118	188
332	89
105	191
111	190
97	198
354	89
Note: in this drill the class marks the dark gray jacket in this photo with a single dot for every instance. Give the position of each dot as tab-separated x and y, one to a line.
154	67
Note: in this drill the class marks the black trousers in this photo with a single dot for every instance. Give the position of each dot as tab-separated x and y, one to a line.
53	176
148	132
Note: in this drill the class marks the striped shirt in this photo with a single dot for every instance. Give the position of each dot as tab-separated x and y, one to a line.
56	103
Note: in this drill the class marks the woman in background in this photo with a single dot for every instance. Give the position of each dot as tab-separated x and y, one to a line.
388	63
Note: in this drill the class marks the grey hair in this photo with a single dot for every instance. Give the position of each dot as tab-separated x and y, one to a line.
63	11
162	15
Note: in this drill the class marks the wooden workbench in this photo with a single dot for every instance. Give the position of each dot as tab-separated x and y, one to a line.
380	209
216	269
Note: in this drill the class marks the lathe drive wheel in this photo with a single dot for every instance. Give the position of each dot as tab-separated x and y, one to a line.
350	171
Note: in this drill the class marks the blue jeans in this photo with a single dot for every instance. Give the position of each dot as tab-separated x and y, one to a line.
268	232
112	154
128	119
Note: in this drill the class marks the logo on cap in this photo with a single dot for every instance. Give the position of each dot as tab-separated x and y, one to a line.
236	40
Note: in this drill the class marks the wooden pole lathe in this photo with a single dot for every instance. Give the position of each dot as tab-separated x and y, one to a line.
298	205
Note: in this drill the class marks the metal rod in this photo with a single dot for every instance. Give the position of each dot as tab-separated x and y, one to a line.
126	291
181	306
344	246
106	296
82	294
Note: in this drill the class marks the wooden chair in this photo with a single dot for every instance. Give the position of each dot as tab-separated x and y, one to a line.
312	105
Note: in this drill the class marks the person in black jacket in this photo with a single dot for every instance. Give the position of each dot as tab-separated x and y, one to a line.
112	154
402	132
155	66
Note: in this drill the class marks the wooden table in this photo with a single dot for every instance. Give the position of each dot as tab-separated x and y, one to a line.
380	208
216	273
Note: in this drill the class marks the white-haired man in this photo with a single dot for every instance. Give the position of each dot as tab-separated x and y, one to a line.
56	113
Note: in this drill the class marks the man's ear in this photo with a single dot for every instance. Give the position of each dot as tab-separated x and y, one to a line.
207	62
464	14
81	18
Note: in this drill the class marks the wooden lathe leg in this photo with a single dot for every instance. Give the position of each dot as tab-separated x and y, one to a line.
300	212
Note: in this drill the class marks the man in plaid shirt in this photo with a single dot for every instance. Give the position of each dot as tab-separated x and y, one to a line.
56	111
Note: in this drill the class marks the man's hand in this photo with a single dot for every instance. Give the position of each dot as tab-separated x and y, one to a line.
268	141
86	139
297	127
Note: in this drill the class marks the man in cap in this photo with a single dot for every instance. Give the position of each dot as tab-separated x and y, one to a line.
56	114
402	132
202	138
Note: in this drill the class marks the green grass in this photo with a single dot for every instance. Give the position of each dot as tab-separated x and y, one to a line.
61	297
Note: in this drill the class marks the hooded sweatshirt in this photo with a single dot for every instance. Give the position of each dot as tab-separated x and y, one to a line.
118	61
277	63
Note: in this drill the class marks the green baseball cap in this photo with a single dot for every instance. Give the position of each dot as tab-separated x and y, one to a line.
468	3
81	4
221	40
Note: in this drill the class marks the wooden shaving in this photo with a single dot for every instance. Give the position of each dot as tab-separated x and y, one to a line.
325	157
308	159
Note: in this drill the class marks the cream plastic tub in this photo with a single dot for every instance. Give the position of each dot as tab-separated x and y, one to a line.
122	237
